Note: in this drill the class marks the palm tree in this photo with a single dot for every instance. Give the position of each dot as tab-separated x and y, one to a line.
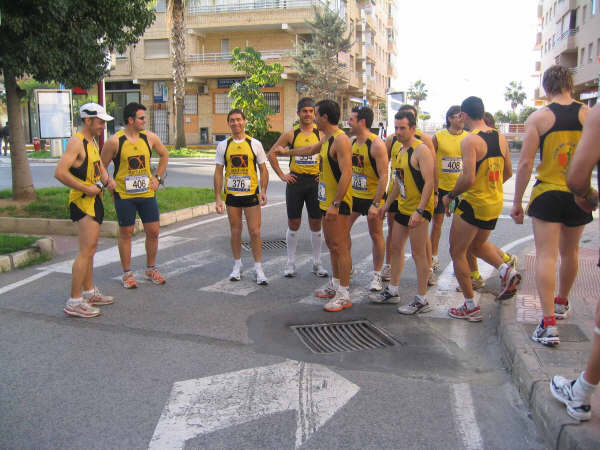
514	94
417	93
176	22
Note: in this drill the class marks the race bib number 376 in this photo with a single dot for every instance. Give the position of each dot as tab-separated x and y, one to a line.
237	184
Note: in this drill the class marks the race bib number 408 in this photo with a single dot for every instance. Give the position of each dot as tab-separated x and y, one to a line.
451	165
137	184
237	184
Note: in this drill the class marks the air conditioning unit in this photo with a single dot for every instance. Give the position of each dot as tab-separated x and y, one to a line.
203	89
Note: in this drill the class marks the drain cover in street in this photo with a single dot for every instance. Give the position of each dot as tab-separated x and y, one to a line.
279	244
343	336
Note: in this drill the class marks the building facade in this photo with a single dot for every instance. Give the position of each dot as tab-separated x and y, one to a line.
273	27
569	35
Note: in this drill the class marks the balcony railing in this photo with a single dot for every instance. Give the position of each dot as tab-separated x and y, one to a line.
568	33
223	6
211	57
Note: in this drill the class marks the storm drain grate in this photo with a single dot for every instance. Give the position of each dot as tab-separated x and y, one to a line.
343	336
279	244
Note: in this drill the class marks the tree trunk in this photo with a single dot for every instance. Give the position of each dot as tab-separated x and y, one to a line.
178	55
22	181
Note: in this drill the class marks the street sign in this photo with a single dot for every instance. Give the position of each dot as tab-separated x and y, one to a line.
204	405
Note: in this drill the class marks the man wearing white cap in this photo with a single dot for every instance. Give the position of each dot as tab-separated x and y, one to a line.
81	169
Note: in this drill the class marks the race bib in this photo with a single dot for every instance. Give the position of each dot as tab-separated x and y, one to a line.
237	184
310	160
321	194
137	184
359	182
451	165
400	178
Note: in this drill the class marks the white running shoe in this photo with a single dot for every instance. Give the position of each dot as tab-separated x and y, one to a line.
236	274
290	270
432	279
509	282
338	303
562	390
435	263
97	298
386	272
80	309
261	278
376	284
319	270
415	307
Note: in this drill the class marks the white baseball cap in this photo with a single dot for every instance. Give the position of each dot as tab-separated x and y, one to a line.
94	110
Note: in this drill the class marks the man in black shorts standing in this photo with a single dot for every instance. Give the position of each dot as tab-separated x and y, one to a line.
302	184
81	169
130	151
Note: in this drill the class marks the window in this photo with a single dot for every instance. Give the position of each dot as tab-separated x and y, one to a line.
582	58
190	104
594	7
223	103
598	48
272	99
122	56
583	14
225	49
161	6
156	48
590	52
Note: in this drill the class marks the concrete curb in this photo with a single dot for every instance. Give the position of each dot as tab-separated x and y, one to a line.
12	261
532	380
109	228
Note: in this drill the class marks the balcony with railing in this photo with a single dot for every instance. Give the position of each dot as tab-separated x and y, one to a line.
391	46
371	53
217	63
251	14
390	22
565	42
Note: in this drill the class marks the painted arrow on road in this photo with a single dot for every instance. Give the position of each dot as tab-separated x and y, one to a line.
204	405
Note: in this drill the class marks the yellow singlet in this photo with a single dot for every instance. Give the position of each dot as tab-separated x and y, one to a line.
411	183
241	177
329	176
364	170
132	167
88	173
449	159
305	164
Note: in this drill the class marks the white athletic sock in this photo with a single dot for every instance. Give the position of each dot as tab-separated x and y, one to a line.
90	292
344	292
258	266
316	241
421	299
502	269
393	289
335	282
582	389
470	302
237	263
291	238
74	301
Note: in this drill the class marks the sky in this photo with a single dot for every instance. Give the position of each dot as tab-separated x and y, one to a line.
460	48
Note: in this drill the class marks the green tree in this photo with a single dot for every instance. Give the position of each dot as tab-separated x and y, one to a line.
316	59
506	117
176	23
247	94
66	41
526	111
417	93
514	94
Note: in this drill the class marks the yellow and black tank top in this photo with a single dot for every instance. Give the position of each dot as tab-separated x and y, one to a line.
132	172
557	147
365	177
241	177
305	164
410	182
329	176
448	158
394	150
88	173
486	194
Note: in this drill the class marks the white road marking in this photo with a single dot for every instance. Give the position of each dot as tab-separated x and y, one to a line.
23	282
464	413
204	405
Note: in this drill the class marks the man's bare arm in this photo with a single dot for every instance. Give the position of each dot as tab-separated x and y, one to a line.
507	172
62	174
283	141
342	148
379	152
586	156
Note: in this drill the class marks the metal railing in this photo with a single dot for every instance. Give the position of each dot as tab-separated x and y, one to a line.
566	34
226	56
221	6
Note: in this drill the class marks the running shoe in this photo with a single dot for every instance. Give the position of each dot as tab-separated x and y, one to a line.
235	274
386	272
508	294
415	307
432	279
376	284
512	262
319	270
435	263
385	297
562	389
476	283
337	303
290	270
326	292
80	309
129	281
509	282
547	336
261	278
97	298
561	308
154	276
462	312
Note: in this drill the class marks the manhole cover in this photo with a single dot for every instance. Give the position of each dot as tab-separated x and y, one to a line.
279	244
343	336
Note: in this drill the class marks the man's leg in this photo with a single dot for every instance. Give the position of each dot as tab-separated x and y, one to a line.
547	238
125	236
294	204
376	232
568	247
253	220
234	214
151	273
436	232
461	237
351	220
336	230
418	244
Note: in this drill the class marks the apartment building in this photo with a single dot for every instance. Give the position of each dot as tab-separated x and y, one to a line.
273	27
569	35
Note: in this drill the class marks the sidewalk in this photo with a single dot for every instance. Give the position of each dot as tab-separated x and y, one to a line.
533	365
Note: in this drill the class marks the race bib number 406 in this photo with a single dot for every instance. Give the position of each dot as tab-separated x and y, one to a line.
137	184
237	184
451	165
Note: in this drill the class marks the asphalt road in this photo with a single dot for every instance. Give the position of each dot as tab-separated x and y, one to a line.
119	380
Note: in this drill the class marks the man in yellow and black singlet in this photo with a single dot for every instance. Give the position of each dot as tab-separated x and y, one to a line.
558	219
413	172
335	199
81	169
302	183
130	150
486	166
243	159
369	179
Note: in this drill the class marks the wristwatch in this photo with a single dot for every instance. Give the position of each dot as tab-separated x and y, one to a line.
159	179
420	211
337	204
